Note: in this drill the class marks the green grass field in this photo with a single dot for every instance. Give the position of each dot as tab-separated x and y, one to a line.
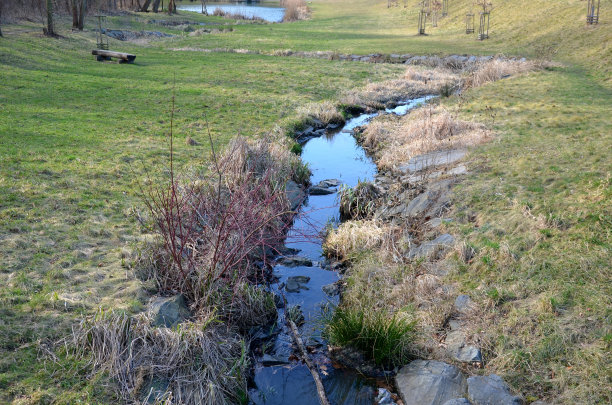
76	136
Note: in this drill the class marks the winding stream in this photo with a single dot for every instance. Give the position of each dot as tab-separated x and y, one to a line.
278	379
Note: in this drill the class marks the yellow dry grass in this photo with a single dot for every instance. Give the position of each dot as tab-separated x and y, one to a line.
499	68
424	130
354	236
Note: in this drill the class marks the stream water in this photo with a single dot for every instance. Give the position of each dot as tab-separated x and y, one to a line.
268	11
278	379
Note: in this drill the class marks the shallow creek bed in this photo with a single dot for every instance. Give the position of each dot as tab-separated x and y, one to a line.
308	282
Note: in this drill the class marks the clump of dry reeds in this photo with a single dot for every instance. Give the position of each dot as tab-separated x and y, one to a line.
354	236
496	69
417	82
200	363
426	129
295	10
358	202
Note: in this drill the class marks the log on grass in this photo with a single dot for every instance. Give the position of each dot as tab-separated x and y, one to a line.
129	58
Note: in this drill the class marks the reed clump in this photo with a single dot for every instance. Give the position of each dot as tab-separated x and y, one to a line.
295	10
498	68
353	237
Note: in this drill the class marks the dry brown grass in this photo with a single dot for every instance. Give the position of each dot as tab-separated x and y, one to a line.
245	156
427	129
295	10
326	112
417	82
201	362
354	236
499	68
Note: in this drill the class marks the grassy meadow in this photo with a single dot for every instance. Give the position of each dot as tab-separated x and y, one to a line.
77	136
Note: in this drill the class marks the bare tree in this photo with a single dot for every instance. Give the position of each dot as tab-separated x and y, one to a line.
1	20
171	7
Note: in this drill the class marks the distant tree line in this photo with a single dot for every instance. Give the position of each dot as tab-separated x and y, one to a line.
44	10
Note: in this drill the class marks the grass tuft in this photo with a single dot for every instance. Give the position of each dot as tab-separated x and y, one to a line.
383	337
198	363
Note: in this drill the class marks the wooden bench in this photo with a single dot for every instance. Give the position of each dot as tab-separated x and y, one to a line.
103	54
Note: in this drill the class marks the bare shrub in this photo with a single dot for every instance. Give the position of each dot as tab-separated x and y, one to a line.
295	10
202	363
214	228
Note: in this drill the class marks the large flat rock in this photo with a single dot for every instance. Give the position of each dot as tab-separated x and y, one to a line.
432	247
490	390
433	202
432	159
427	382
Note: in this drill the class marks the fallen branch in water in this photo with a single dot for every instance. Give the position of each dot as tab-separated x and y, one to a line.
315	374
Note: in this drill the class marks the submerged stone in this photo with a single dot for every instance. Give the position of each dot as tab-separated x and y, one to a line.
295	261
318	190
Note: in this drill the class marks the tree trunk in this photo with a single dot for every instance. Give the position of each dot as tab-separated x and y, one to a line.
75	14
145	6
1	21
83	5
171	7
50	31
156	6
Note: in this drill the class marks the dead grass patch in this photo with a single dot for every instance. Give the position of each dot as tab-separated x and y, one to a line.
499	68
416	83
200	363
424	130
354	236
